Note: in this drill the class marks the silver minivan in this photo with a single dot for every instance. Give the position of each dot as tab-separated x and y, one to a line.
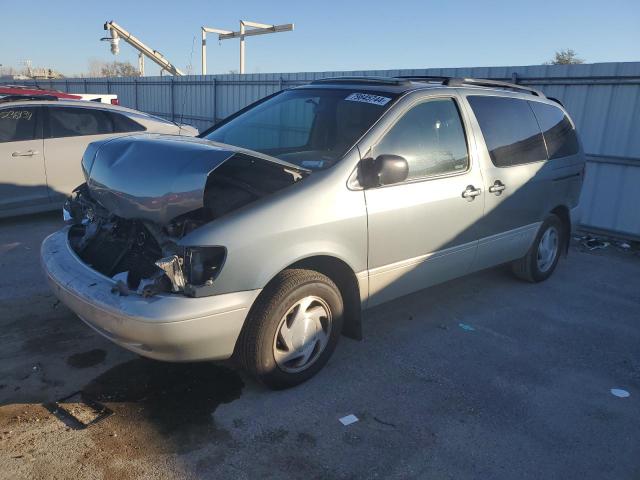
265	239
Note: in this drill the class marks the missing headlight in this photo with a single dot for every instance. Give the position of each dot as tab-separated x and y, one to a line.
201	267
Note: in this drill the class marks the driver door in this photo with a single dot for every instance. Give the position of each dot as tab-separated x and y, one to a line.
424	231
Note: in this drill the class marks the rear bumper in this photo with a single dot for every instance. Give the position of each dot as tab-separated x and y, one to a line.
164	327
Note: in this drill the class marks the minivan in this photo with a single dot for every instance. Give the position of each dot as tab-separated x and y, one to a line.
267	237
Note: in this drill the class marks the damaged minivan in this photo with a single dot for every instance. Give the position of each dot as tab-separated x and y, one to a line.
264	239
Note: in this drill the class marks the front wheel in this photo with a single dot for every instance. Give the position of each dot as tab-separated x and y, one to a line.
292	329
542	258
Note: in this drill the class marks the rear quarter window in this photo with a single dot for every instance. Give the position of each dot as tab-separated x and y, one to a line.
559	134
510	130
122	123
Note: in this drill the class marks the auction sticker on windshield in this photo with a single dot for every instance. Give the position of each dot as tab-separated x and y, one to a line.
368	98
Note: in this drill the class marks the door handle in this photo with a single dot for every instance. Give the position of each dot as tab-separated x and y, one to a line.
497	187
470	192
28	153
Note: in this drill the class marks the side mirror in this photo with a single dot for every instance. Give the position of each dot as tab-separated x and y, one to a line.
384	170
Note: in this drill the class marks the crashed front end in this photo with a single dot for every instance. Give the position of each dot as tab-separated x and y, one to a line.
121	264
142	257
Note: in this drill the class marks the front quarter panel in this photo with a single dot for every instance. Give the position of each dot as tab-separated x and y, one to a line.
318	216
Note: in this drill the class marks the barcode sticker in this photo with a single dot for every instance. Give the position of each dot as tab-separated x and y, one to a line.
368	98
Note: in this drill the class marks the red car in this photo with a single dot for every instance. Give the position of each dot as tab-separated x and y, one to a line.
28	90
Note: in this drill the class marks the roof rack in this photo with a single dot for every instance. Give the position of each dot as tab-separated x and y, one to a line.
20	98
446	81
475	82
362	80
425	78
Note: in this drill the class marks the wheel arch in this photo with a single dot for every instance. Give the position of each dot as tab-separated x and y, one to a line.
347	282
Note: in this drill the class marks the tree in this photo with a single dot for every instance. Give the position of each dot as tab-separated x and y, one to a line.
119	69
565	57
98	68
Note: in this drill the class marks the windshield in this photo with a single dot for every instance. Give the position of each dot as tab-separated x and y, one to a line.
310	128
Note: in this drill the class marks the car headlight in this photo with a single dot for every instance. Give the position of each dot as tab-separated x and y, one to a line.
201	267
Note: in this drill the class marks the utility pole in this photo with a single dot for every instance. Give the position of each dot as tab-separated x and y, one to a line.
255	28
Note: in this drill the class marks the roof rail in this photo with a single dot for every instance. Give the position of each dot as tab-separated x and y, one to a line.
362	80
553	99
425	78
21	98
481	82
475	82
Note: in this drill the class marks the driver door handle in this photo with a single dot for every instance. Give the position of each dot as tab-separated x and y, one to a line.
28	153
471	192
497	187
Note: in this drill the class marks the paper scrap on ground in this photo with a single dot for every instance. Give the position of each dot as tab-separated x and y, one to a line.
618	392
466	327
348	420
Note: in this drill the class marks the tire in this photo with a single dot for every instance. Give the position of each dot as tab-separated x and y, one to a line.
278	345
531	267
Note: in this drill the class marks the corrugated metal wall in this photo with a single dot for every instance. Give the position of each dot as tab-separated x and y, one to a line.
603	99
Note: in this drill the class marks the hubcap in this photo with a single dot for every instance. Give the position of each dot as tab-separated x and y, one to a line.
548	248
302	334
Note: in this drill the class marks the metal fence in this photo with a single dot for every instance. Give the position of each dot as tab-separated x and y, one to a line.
603	99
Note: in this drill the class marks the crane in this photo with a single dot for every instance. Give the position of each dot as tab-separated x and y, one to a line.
117	32
247	29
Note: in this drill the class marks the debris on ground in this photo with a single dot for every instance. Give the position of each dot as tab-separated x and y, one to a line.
620	393
595	244
348	420
592	242
382	422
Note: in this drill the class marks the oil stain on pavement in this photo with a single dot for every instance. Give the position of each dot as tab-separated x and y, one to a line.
174	399
87	359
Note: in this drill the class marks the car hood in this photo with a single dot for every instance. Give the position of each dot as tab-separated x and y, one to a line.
157	177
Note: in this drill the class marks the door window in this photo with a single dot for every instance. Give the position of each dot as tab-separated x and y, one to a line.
73	122
430	137
559	134
18	124
510	130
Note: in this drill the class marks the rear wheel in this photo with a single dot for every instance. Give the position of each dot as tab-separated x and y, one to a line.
541	259
292	329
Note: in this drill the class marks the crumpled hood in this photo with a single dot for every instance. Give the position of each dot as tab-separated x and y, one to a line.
155	177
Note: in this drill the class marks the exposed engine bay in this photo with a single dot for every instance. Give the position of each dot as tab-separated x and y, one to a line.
143	256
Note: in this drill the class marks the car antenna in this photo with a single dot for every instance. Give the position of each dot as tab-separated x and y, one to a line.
189	72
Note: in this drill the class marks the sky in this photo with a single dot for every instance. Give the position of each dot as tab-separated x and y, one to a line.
329	35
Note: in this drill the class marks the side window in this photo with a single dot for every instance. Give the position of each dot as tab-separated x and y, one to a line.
122	123
510	130
430	137
558	132
74	122
18	124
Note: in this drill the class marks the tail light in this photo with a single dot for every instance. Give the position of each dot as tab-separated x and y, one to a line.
114	101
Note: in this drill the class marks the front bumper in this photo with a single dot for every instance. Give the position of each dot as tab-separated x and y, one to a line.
167	327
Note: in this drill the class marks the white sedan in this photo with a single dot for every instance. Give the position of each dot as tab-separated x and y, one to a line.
42	142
